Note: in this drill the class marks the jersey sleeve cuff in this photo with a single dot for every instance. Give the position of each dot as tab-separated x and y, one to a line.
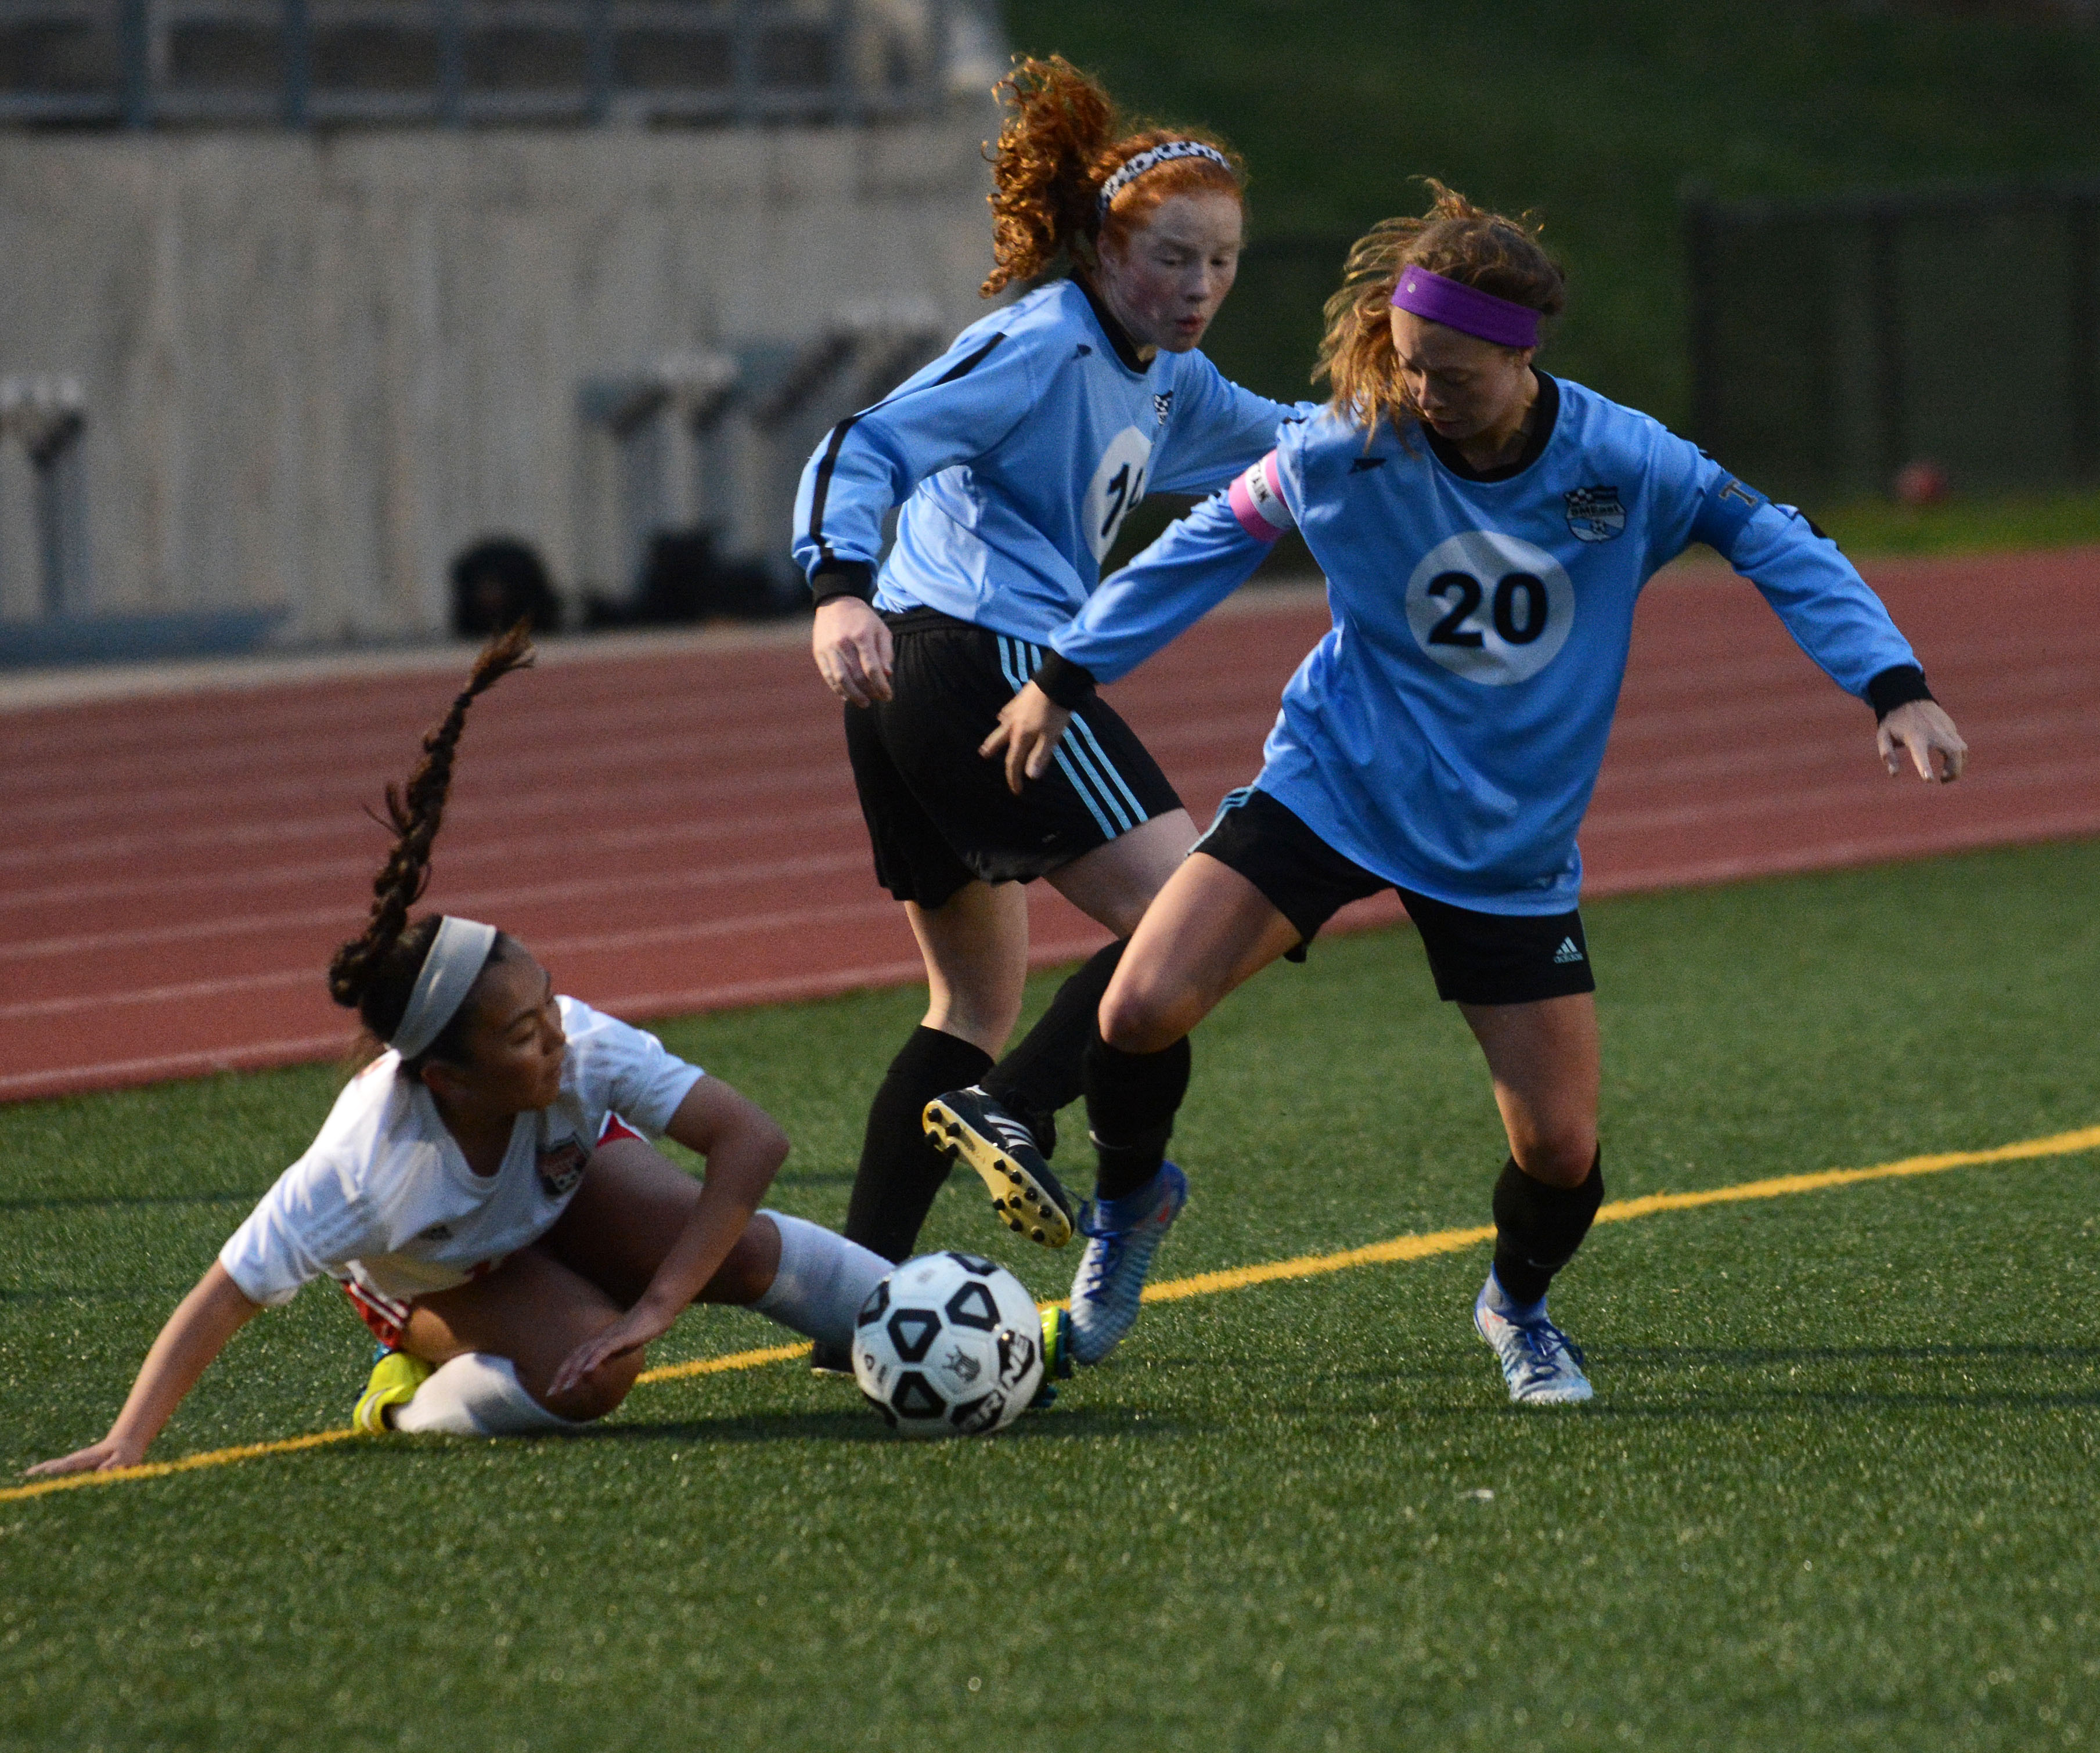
1897	685
843	577
1069	684
250	1284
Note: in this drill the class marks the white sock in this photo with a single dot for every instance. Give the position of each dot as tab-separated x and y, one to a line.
822	1281
477	1395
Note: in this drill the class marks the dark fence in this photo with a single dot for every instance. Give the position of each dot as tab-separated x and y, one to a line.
1268	333
1836	342
140	64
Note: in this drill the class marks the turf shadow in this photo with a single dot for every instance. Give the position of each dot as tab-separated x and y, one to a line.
1615	1404
861	1425
1752	1356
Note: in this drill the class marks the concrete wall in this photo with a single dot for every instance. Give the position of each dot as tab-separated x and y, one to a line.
317	366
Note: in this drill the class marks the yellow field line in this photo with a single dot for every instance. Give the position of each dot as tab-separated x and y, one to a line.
1453	1241
1210	1283
716	1366
72	1481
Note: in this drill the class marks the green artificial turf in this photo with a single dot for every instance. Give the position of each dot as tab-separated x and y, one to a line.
1835	1492
1965	526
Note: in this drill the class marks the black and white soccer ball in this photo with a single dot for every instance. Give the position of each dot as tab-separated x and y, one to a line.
949	1345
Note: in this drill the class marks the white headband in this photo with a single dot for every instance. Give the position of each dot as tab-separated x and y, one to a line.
457	955
1131	169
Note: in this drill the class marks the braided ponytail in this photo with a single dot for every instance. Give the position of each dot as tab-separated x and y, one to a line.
373	974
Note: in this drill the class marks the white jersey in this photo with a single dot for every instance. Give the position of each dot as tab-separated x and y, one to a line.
384	1200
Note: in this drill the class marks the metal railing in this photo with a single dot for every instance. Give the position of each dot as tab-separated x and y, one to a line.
302	63
48	415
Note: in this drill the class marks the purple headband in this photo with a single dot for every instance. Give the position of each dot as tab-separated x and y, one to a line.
1465	308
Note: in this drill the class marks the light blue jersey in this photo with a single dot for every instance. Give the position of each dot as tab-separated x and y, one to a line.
1447	732
1017	455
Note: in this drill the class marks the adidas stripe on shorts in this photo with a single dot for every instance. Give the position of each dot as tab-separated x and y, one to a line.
1477	957
938	813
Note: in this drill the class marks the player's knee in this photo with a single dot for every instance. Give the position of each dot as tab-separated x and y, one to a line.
600	1393
1560	1155
985	1018
1137	1018
747	1272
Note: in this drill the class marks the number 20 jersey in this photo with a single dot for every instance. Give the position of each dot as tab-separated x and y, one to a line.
1016	455
1447	732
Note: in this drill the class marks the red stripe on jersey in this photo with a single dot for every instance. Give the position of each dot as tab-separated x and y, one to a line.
384	1316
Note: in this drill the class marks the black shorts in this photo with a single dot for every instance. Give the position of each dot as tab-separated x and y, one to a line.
1477	957
938	813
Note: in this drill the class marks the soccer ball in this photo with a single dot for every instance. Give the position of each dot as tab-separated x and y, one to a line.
949	1345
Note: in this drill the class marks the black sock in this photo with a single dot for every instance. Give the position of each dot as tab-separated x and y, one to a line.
1041	1074
900	1171
1130	1102
1538	1227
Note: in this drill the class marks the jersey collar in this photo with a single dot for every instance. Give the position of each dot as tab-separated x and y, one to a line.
1118	337
1547	413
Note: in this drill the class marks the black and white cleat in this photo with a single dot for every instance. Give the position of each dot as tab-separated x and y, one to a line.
968	1126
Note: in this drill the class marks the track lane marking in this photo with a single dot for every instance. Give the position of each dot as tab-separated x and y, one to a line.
1416	1247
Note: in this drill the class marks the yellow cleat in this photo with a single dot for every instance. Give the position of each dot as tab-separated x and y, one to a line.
1056	1356
395	1377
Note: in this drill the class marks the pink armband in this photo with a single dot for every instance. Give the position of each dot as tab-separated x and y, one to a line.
1257	501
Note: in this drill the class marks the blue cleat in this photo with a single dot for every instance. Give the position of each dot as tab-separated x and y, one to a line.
1122	1235
1542	1365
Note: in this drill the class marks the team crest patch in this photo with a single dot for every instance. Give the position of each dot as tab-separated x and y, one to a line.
561	1167
1594	513
1162	405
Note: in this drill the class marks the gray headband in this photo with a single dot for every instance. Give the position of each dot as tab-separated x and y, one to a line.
458	954
1131	169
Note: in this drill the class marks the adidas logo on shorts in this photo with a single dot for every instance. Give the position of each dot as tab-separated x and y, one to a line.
1567	952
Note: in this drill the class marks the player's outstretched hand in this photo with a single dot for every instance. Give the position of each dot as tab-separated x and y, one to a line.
1918	728
97	1457
1030	725
630	1333
854	651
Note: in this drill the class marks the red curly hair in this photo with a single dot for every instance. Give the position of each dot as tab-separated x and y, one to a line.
1063	140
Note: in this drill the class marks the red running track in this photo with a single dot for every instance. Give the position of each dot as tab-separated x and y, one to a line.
671	825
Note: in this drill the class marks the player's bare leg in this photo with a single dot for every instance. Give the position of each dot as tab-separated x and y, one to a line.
983	962
1115	883
1004	1127
533	1311
1210	931
628	1211
1545	1061
975	947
